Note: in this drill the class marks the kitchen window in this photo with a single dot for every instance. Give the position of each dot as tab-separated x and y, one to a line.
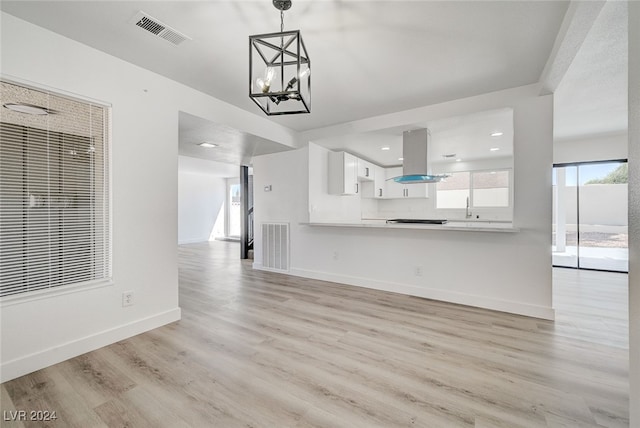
453	191
478	189
490	189
54	192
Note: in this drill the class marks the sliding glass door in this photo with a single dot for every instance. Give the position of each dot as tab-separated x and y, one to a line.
603	226
590	216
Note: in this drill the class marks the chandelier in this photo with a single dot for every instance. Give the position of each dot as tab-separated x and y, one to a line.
280	70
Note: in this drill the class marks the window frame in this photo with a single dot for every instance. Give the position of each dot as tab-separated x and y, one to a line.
49	292
472	207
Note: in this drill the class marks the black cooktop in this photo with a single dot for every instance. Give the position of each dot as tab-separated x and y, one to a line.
418	221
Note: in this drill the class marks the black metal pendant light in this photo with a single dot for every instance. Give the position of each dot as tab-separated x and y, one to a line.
280	70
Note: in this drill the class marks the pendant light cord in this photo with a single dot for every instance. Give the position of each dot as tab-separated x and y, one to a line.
282	49
282	31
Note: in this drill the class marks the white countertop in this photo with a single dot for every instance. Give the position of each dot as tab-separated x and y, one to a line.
459	225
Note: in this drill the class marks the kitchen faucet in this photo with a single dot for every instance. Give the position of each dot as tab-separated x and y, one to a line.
467	212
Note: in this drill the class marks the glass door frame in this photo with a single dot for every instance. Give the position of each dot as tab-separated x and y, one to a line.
578	165
570	171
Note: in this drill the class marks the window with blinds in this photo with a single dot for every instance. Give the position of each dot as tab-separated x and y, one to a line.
54	192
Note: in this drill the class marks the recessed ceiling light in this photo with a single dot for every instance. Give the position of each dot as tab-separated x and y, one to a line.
207	145
400	159
494	149
27	108
386	148
458	160
496	134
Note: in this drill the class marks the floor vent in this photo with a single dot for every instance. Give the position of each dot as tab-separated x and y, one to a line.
158	28
275	246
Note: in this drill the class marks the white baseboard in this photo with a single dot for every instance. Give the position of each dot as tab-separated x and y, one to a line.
500	305
258	266
39	360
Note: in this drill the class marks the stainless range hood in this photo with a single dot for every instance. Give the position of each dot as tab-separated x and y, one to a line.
415	151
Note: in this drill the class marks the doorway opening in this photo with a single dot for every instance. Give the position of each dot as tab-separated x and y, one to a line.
246	212
233	213
590	225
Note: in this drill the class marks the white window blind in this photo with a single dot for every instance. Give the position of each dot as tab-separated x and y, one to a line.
54	193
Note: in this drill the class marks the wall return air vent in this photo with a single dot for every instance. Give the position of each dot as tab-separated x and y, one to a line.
158	28
275	247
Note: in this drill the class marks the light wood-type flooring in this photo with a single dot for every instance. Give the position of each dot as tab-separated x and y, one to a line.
258	349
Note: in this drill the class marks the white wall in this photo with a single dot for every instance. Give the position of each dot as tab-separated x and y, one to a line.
587	149
201	198
38	333
288	176
289	180
504	271
602	204
634	213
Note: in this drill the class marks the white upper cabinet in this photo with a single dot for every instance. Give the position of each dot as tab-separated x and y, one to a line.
392	189
343	174
419	190
379	183
397	191
349	175
376	188
365	170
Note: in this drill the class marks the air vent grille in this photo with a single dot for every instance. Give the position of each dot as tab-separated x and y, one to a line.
155	26
173	37
150	26
275	246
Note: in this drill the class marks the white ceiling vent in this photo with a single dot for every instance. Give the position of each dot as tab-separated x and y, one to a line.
158	28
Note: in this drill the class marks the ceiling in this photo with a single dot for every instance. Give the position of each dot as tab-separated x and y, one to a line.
232	146
368	58
199	166
463	137
592	97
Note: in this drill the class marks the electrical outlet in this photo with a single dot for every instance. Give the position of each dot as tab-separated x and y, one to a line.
418	271
127	298
336	256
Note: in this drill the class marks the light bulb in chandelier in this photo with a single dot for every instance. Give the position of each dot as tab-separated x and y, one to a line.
301	76
264	83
